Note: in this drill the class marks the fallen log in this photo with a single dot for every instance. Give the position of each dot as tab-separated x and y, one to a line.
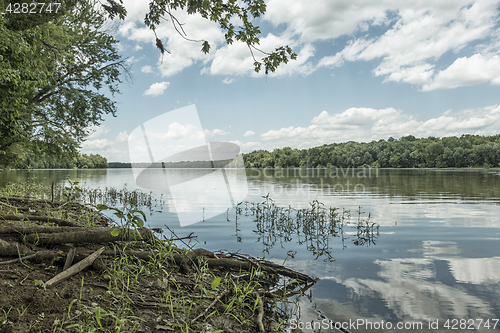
40	256
92	236
76	268
177	258
8	249
39	218
265	266
34	228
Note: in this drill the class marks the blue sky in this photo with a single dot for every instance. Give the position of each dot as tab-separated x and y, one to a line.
366	70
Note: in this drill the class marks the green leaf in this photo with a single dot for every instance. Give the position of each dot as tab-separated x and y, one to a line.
215	283
115	232
102	207
142	213
206	47
209	294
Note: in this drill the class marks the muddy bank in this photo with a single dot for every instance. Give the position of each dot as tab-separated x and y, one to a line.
134	280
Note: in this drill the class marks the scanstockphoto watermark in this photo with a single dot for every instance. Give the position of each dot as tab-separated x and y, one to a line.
360	172
177	137
298	187
358	324
311	182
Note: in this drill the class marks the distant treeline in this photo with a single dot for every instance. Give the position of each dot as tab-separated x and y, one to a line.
183	164
52	161
407	152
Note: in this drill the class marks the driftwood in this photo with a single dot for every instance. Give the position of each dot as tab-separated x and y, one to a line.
47	201
265	266
39	218
76	268
92	236
260	316
12	228
40	256
69	258
8	249
183	260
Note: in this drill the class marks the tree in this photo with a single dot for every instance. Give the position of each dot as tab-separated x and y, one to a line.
53	72
221	12
54	65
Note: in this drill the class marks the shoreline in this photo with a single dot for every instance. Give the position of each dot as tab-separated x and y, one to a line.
140	281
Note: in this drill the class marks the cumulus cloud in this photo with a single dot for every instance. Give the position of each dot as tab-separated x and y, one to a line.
467	71
157	89
247	146
97	144
214	133
366	124
422	34
96	131
405	39
146	69
248	133
236	59
183	54
122	136
228	80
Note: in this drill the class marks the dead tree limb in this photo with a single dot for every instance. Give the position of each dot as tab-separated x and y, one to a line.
92	236
8	249
32	229
76	268
265	266
39	218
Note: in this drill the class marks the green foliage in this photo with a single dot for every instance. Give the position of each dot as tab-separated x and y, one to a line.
133	217
407	152
27	158
223	13
72	192
52	72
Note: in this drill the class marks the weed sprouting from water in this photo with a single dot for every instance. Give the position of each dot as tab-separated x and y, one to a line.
314	226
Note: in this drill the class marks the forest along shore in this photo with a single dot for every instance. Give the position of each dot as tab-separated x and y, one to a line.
63	270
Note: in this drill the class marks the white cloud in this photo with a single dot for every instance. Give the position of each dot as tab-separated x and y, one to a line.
236	59
214	133
324	19
137	47
423	33
366	124
96	131
248	133
122	136
413	37
146	69
98	144
157	89
467	71
183	53
228	80
247	146
177	131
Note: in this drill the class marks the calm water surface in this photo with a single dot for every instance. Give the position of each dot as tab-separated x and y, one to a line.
436	256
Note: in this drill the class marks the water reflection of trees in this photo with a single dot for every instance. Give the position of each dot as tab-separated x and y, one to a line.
313	227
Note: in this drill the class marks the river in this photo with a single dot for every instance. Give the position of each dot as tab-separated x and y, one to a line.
413	249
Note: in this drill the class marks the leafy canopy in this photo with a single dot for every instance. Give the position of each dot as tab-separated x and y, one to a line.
54	66
219	11
52	73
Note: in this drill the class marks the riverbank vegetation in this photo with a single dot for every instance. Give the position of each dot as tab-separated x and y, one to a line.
407	152
127	278
43	160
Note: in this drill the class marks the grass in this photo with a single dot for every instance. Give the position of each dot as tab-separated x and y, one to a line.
180	302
